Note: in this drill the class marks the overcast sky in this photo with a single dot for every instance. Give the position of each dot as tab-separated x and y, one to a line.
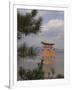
52	29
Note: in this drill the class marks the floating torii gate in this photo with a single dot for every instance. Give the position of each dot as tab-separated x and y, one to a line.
47	53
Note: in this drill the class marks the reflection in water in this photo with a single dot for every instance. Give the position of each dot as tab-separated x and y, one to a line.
47	65
32	63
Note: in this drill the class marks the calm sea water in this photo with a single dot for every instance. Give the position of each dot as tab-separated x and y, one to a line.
31	63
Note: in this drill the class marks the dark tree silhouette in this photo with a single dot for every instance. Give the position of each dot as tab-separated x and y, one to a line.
25	51
60	76
27	23
31	74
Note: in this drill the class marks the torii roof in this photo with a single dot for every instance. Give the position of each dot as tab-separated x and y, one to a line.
45	43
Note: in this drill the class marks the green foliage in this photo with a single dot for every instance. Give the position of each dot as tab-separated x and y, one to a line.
25	51
31	74
34	13
27	23
36	74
